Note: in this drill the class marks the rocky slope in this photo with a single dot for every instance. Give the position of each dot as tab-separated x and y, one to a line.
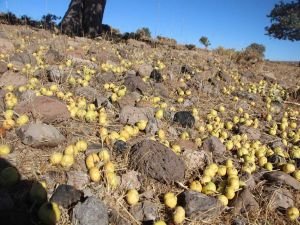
105	129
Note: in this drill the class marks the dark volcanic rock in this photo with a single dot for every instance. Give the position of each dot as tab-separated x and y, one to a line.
281	178
135	83
185	118
199	206
156	75
66	195
244	202
157	161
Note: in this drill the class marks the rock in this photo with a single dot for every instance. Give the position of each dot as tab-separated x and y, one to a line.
244	202
44	108
185	118
144	69
66	195
6	45
11	78
52	56
55	74
199	206
128	99
120	146
246	95
116	219
282	178
214	145
78	179
269	76
88	92
27	95
6	202
102	101
130	180
152	126
194	159
239	221
131	115
135	83
105	78
157	161
145	211
3	67
248	74
249	180
23	58
161	89
252	133
280	198
156	75
91	212
224	76
39	134
187	69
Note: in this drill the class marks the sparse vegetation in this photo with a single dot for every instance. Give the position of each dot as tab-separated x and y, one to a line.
204	40
143	32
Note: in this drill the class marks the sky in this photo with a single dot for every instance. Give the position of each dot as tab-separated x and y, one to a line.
228	23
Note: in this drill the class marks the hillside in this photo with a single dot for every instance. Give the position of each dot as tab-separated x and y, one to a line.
84	121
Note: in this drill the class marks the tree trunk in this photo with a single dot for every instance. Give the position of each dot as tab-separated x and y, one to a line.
83	18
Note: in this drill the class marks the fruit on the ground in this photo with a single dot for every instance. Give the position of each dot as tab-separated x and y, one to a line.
179	215
292	213
94	174
132	197
67	161
170	200
196	186
56	158
4	149
223	199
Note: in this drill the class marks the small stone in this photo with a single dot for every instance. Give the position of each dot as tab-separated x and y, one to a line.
130	180
66	195
157	161
116	219
252	133
185	118
281	198
214	145
145	211
135	83
187	69
156	75
281	178
78	179
91	212
120	146
131	115
244	202
55	74
194	159
39	134
88	92
199	206
11	78
44	108
144	69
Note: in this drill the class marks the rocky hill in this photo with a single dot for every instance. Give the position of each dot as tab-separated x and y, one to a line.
144	132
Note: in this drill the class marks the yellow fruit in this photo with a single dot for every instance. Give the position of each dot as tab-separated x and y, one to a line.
91	160
56	158
289	168
229	145
234	183
109	167
132	197
49	213
205	179
94	174
112	180
176	148
292	213
262	161
184	135
179	215
9	177
22	120
223	199
296	174
160	222
268	166
161	134
104	155
81	145
170	200
67	161
209	188
114	97
159	114
222	170
142	124
229	193
8	124
70	150
4	150
196	186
